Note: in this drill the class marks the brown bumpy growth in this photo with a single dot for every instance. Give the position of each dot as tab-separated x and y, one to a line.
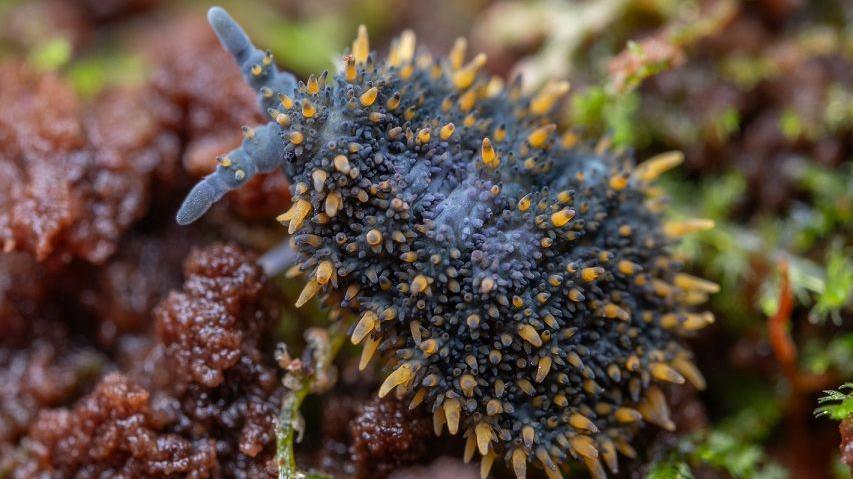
200	402
385	435
48	373
200	326
58	194
210	334
112	432
75	178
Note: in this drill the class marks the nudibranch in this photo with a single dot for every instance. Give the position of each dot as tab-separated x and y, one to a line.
519	283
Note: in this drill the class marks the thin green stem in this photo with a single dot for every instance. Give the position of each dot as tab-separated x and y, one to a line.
286	430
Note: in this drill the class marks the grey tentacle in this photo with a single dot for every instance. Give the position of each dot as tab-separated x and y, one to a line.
230	34
262	151
203	195
257	66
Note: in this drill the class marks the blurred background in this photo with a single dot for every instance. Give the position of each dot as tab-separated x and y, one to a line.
758	94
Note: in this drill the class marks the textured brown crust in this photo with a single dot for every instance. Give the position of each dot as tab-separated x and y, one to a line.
209	336
199	327
111	433
199	402
386	435
73	181
48	373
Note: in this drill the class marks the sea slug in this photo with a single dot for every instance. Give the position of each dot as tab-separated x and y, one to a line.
520	283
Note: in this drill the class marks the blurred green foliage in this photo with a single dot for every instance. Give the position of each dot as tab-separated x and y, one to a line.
739	459
673	467
838	114
726	251
747	71
93	73
838	404
837	284
598	112
831	206
51	54
840	470
820	357
734	445
310	43
790	124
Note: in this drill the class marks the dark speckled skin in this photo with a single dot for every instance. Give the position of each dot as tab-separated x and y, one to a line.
491	311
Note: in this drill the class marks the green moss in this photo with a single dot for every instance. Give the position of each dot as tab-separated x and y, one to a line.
587	107
838	113
837	405
600	112
311	42
734	446
647	67
92	74
51	55
316	38
746	72
839	469
791	125
831	208
724	251
820	357
673	467
837	285
724	125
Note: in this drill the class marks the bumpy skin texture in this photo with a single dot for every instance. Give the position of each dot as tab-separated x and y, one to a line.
520	285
